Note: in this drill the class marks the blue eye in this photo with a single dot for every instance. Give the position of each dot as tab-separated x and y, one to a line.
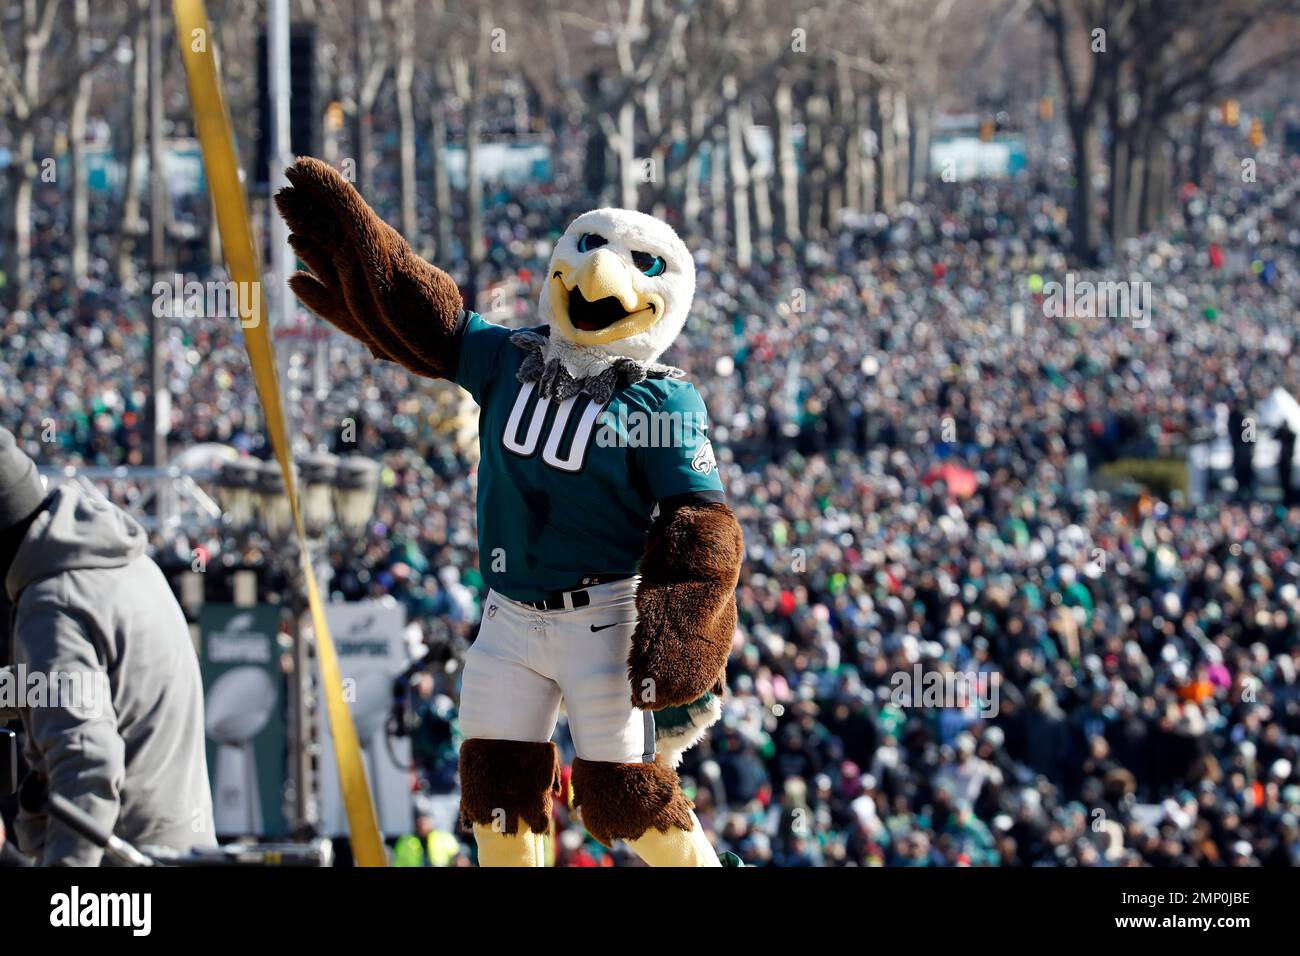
650	265
589	240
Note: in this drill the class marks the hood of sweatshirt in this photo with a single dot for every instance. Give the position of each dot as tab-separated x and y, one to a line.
79	529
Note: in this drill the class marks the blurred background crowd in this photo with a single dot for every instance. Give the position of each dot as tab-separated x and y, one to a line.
934	471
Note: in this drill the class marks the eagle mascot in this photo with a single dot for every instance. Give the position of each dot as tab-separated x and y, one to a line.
611	556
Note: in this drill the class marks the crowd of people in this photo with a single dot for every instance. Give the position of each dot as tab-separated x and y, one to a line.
912	442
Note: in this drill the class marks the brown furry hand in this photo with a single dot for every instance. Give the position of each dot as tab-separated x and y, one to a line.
365	279
686	606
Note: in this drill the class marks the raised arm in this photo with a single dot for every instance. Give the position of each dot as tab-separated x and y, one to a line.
365	279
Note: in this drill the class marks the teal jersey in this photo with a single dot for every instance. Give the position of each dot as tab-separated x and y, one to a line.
566	490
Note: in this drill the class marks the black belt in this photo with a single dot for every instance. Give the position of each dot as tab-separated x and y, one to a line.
556	600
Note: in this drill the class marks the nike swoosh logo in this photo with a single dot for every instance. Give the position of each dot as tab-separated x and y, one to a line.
594	628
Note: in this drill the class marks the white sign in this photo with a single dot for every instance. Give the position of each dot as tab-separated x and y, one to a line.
368	636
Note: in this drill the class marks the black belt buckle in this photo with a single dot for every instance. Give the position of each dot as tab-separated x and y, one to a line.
555	601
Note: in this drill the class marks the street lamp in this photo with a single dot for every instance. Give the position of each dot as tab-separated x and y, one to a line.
317	475
334	491
236	481
356	492
336	494
273	503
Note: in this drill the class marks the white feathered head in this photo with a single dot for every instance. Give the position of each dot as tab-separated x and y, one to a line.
619	285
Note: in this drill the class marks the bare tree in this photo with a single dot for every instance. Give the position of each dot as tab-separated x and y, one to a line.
443	211
467	69
787	167
24	99
1139	63
130	223
77	147
1091	26
1176	56
403	26
633	54
370	67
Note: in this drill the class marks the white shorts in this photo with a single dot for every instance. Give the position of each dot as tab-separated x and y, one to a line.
525	662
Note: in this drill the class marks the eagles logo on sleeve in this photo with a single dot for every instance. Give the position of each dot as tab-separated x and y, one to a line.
704	462
604	536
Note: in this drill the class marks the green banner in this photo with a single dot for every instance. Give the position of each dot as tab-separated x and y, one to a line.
245	712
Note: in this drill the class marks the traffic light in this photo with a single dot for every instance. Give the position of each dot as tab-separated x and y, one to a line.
1231	113
334	117
1256	136
1046	108
304	116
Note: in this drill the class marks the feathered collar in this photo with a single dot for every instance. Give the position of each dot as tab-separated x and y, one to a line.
551	366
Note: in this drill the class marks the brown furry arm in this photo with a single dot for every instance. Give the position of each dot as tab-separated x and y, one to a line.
686	605
364	278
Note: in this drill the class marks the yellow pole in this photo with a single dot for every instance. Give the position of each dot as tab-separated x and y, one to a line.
212	121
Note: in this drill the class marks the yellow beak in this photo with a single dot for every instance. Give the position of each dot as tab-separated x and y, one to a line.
603	275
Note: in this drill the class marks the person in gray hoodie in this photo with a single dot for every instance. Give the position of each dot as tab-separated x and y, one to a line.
90	607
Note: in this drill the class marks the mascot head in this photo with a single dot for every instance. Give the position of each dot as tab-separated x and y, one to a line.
619	286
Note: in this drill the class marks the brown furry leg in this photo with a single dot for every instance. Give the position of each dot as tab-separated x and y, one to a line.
505	781
621	801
